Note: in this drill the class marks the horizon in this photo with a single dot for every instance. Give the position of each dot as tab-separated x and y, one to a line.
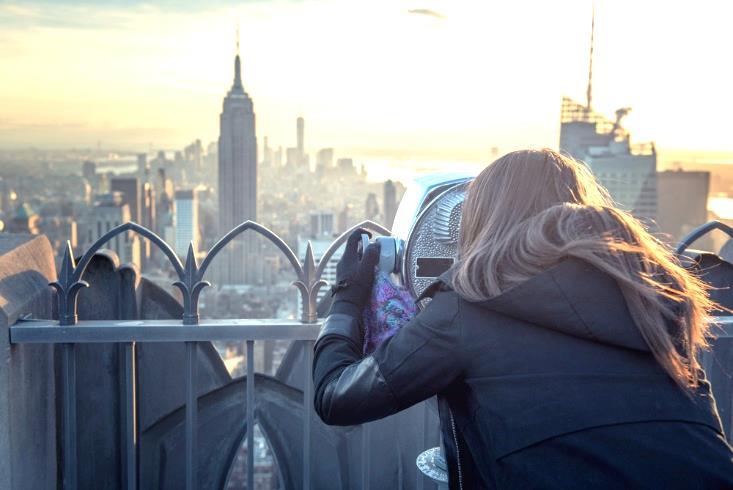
416	86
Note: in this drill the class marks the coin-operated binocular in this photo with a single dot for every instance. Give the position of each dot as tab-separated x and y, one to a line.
424	239
424	245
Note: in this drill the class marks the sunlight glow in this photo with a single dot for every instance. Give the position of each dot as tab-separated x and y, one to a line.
367	76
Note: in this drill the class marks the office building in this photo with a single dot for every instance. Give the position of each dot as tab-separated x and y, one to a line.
683	205
108	212
321	225
187	228
143	168
131	195
300	127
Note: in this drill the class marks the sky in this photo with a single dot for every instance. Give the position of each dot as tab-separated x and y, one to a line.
434	78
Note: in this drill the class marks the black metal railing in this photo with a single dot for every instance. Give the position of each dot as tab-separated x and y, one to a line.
701	231
190	330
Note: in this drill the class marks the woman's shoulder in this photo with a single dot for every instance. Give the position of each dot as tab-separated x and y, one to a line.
441	306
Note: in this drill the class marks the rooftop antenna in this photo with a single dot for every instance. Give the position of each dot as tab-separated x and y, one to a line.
589	93
237	66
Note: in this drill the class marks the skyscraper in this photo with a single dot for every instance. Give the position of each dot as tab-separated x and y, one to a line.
237	178
130	189
296	156
143	169
300	123
390	203
187	221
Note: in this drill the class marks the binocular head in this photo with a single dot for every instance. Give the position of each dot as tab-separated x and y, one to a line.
424	241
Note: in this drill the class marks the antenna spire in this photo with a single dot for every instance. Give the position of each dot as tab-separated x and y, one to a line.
237	38
589	93
237	66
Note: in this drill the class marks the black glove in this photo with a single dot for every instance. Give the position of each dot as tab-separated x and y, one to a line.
354	276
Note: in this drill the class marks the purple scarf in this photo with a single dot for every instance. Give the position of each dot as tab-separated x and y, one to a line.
390	307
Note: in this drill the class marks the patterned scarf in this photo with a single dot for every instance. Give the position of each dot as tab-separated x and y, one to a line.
390	307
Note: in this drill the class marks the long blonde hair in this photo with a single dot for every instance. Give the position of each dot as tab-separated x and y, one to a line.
531	209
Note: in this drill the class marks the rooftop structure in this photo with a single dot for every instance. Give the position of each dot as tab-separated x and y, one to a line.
144	399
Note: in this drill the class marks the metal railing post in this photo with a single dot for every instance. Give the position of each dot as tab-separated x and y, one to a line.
69	414
129	421
191	416
365	455
250	414
308	413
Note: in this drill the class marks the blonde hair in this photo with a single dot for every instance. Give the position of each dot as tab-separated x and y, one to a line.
531	209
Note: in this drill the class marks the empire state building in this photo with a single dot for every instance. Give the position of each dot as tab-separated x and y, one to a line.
237	180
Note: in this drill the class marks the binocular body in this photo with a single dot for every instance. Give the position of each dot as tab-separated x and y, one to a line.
424	240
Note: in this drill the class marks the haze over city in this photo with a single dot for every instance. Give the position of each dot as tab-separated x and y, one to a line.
250	243
430	79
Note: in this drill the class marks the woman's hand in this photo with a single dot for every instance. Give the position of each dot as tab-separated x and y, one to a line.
354	275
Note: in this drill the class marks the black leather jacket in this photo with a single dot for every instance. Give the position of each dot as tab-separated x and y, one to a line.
549	385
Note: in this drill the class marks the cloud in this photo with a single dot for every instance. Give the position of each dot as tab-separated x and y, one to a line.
107	15
428	12
63	16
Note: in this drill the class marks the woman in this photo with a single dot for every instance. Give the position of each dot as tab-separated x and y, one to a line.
562	346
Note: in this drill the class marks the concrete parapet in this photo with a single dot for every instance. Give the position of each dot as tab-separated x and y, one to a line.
27	389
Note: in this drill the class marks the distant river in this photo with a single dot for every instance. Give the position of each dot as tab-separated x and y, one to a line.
117	168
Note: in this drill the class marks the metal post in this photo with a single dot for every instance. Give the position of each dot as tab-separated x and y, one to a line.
425	442
191	415
130	423
365	455
308	412
250	414
69	380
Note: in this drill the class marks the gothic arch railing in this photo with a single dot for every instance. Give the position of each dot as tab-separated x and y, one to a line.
191	276
701	231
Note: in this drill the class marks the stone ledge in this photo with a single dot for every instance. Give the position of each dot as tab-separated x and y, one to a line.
26	267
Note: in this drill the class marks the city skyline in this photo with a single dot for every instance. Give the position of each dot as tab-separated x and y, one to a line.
423	85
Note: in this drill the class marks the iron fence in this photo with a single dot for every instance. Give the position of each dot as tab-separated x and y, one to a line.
69	331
